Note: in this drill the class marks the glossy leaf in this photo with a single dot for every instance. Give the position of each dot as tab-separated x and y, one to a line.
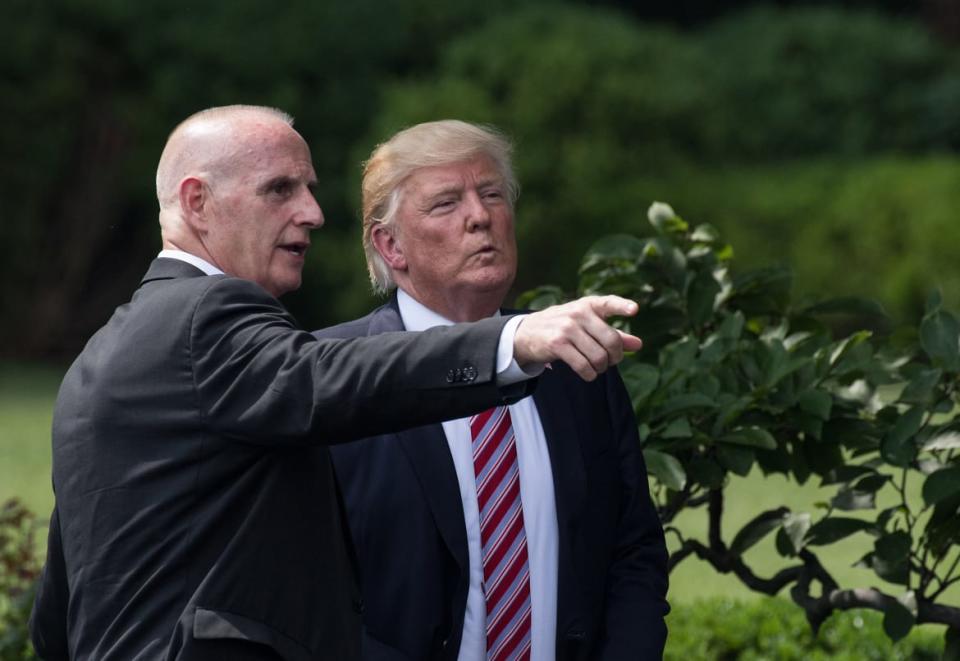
796	527
757	528
816	402
833	529
666	469
701	296
849	500
736	459
750	436
897	620
640	379
940	338
942	484
946	441
898	446
920	388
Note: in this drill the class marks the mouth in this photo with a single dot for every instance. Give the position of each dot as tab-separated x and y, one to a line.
295	248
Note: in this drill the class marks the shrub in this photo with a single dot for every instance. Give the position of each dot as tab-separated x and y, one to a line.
735	375
769	628
19	569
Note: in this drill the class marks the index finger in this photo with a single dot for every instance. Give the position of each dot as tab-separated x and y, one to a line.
610	305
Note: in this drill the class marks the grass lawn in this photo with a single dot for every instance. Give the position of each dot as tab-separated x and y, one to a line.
26	401
27	393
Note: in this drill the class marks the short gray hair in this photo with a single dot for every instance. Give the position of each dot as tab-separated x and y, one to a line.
423	145
179	154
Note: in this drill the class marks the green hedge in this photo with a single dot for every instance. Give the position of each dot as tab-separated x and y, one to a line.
776	629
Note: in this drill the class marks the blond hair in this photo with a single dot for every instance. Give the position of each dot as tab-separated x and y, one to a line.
424	145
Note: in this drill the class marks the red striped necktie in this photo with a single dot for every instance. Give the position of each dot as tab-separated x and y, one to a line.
506	574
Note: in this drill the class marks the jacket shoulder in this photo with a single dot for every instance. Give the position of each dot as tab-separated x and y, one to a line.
354	328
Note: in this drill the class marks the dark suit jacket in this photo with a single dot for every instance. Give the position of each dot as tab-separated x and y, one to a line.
404	509
194	502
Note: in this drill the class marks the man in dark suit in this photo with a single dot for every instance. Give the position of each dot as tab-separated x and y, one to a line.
526	532
196	511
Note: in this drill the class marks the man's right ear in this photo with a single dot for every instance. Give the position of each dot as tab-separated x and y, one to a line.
194	202
389	248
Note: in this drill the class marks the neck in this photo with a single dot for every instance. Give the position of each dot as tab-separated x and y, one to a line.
466	308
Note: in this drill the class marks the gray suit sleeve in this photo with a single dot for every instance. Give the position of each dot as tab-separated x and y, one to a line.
259	379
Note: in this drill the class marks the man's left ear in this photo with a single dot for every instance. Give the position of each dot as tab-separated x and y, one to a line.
389	248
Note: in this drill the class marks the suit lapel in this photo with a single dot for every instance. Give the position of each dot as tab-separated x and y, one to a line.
430	457
556	409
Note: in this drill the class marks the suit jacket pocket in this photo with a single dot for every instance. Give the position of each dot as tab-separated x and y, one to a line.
211	624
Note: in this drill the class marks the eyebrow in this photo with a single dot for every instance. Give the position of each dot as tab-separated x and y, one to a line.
495	180
265	187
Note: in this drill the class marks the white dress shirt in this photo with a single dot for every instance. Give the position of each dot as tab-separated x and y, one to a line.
539	512
193	260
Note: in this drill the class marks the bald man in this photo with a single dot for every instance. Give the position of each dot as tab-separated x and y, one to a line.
197	516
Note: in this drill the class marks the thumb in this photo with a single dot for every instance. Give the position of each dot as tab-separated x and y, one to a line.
630	342
609	306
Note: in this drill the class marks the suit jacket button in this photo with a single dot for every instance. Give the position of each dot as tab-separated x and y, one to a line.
450	376
470	373
358	606
443	645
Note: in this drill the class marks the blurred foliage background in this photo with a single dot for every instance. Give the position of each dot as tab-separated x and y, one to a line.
819	135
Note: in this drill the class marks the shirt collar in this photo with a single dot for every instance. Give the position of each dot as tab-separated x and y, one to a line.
193	260
417	317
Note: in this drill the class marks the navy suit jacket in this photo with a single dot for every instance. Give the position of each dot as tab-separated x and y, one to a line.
406	518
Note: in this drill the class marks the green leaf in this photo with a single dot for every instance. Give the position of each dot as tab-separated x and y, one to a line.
816	402
750	436
540	298
942	531
850	305
893	547
701	297
706	472
705	233
795	528
686	402
679	356
736	459
843	474
763	291
940	339
897	619
615	247
946	441
678	428
920	388
872	483
849	500
898	446
941	485
665	220
641	379
666	469
833	529
757	528
846	345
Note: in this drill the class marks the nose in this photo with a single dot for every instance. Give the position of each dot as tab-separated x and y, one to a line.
310	214
478	215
